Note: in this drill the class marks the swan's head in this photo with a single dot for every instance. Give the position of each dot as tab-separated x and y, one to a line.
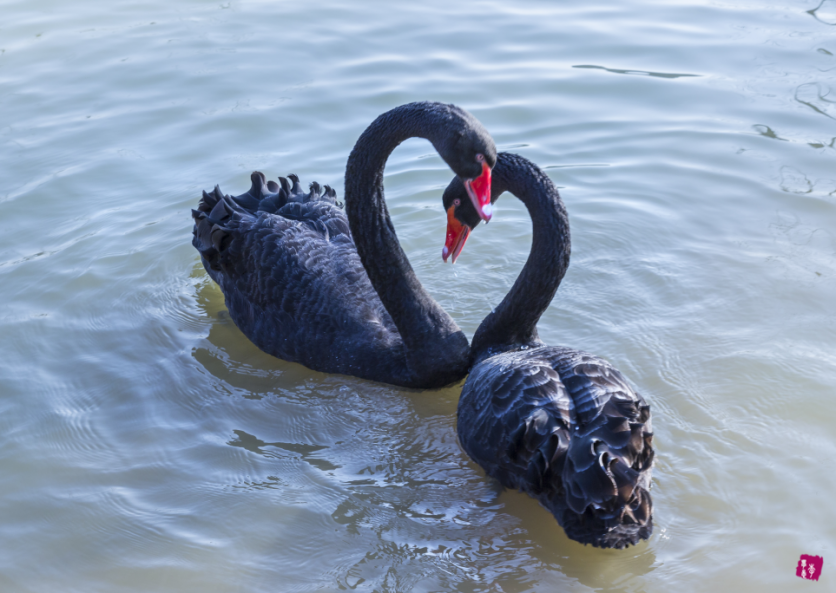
463	216
457	233
471	153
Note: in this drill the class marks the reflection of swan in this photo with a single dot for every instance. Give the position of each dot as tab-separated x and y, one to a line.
560	424
295	282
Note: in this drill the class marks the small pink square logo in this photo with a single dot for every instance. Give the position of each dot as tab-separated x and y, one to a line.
809	567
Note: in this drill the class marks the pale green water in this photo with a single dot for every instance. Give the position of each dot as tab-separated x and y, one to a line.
147	446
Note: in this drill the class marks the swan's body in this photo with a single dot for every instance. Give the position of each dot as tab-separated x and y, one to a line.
291	265
560	424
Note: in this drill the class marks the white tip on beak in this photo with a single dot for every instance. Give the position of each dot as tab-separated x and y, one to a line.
487	211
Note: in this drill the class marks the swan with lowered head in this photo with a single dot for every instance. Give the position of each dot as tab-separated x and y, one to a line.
308	282
560	424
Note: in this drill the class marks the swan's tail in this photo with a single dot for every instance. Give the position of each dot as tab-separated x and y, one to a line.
606	477
211	234
213	228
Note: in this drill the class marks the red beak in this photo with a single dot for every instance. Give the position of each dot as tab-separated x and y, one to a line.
457	234
479	190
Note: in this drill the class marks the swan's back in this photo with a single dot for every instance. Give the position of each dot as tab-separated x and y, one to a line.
566	427
293	282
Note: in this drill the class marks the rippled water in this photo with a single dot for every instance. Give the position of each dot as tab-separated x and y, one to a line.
148	446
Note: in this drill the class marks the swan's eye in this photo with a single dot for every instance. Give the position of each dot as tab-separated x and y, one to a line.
456	202
480	157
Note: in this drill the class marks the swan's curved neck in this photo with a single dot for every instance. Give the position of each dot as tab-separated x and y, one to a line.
434	343
514	322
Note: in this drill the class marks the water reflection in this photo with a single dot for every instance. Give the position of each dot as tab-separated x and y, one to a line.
814	95
767	132
639	72
795	181
305	452
831	144
231	358
825	12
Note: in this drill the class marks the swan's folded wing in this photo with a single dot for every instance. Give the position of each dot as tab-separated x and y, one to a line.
514	419
566	427
324	217
292	279
607	471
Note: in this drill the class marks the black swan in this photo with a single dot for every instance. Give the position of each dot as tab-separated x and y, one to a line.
560	424
308	282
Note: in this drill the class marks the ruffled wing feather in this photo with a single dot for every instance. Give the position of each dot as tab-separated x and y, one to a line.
566	427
